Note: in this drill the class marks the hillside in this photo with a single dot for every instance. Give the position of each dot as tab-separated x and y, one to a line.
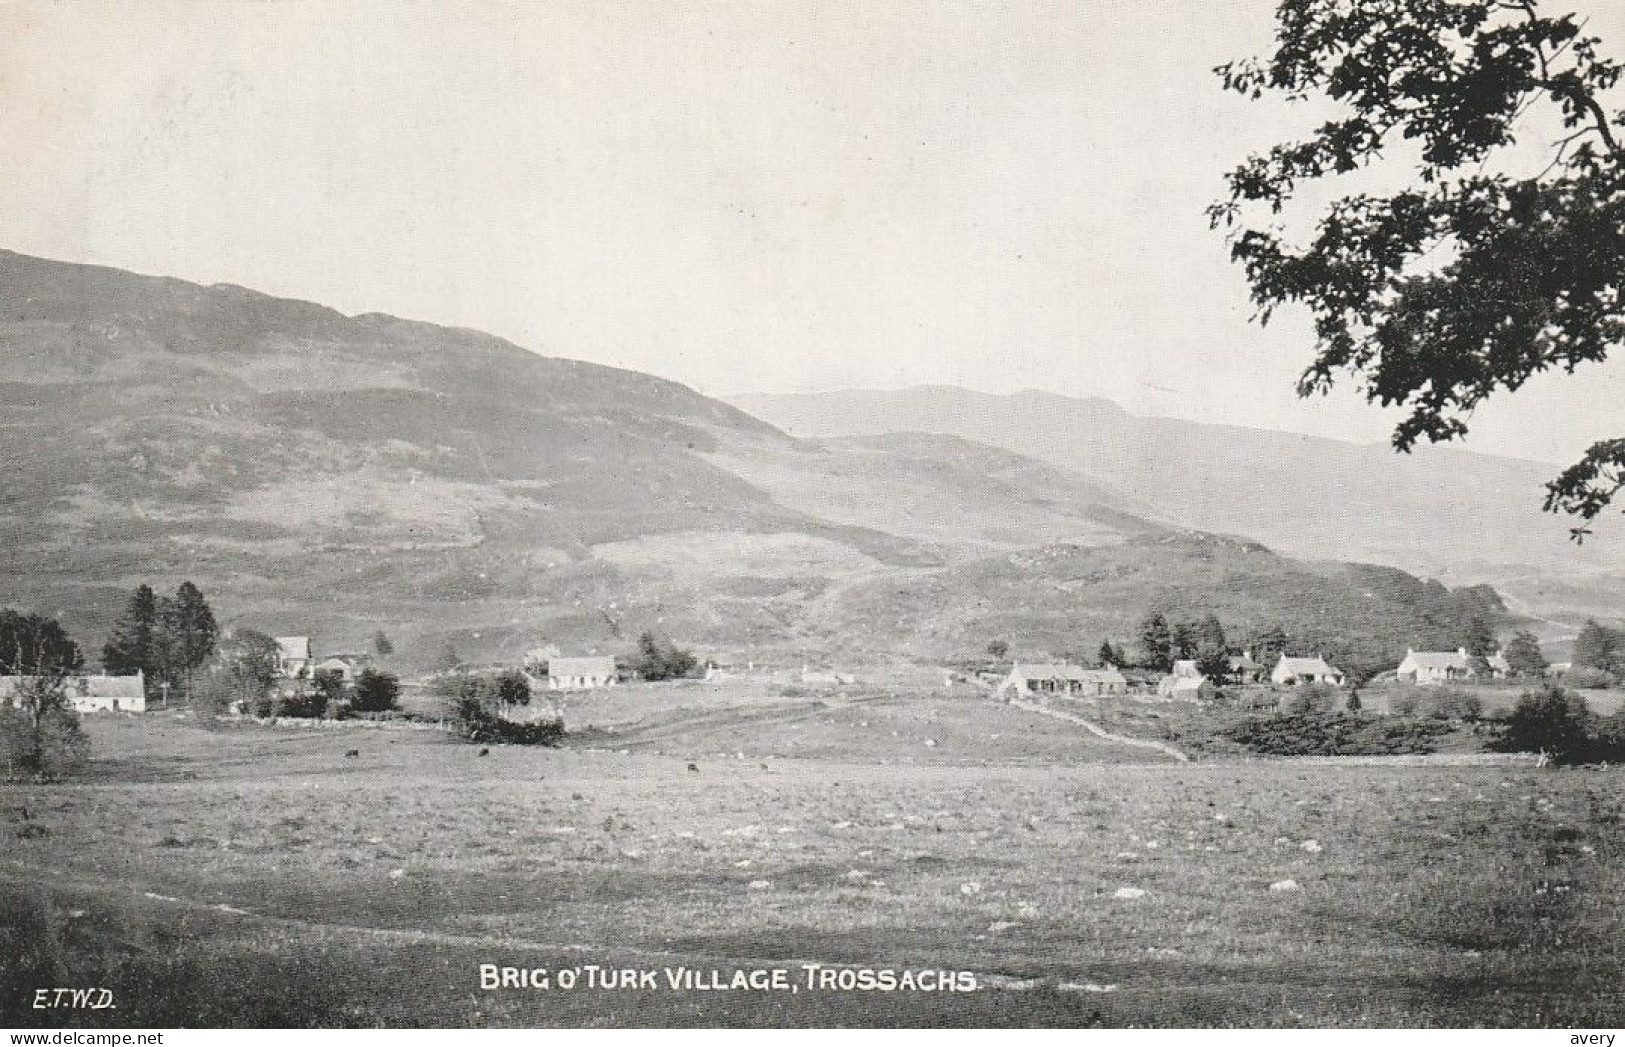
332	475
1441	511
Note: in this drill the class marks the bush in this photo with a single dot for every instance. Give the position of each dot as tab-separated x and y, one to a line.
301	704
477	703
1310	698
1405	702
1450	703
660	659
1588	677
1550	721
1334	734
40	737
376	692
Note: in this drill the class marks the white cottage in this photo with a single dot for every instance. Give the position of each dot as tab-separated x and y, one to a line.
579	674
1290	672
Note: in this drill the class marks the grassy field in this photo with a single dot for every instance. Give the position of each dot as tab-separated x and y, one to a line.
259	876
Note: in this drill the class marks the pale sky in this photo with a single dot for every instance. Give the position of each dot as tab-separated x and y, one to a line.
745	196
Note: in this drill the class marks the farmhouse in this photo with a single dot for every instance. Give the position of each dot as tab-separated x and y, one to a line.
292	655
1105	680
1188	687
1290	672
1186	681
1427	668
1243	669
576	674
348	666
1043	678
90	694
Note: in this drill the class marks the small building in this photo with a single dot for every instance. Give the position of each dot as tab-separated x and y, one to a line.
113	694
1185	669
89	694
1104	681
348	666
1428	668
580	674
292	655
1041	678
1290	672
1190	688
1243	669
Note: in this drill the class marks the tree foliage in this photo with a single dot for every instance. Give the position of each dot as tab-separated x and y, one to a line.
658	658
1523	654
40	735
1467	280
1156	642
376	691
36	645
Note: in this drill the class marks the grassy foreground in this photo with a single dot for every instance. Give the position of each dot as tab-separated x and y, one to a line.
253	876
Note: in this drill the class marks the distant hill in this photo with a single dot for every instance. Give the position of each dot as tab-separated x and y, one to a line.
1440	511
335	476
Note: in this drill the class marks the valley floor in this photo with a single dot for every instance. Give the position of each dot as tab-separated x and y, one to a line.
248	876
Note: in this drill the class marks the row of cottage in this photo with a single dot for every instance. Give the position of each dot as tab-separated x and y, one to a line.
1423	668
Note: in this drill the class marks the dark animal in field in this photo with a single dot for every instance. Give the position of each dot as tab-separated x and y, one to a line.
694	767
353	752
485	752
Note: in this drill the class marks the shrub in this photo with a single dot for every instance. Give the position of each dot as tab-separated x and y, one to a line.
477	702
1551	721
1405	702
301	704
40	736
1588	677
660	659
1309	698
1334	734
376	692
1450	703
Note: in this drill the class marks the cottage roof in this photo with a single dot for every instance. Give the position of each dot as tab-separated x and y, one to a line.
586	666
1239	662
1185	669
1106	675
1049	671
84	686
1437	659
1315	666
107	687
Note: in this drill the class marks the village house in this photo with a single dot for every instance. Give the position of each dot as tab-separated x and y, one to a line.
1188	687
1041	678
90	694
1290	672
292	655
1104	681
1243	669
1430	668
348	666
578	674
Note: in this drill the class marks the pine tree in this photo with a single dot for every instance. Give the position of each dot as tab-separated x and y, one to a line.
189	633
1107	656
1156	642
133	646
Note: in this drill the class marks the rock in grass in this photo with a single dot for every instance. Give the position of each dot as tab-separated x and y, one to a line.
1128	893
760	885
1311	846
1285	886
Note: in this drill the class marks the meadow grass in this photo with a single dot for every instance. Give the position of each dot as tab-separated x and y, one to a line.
254	876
